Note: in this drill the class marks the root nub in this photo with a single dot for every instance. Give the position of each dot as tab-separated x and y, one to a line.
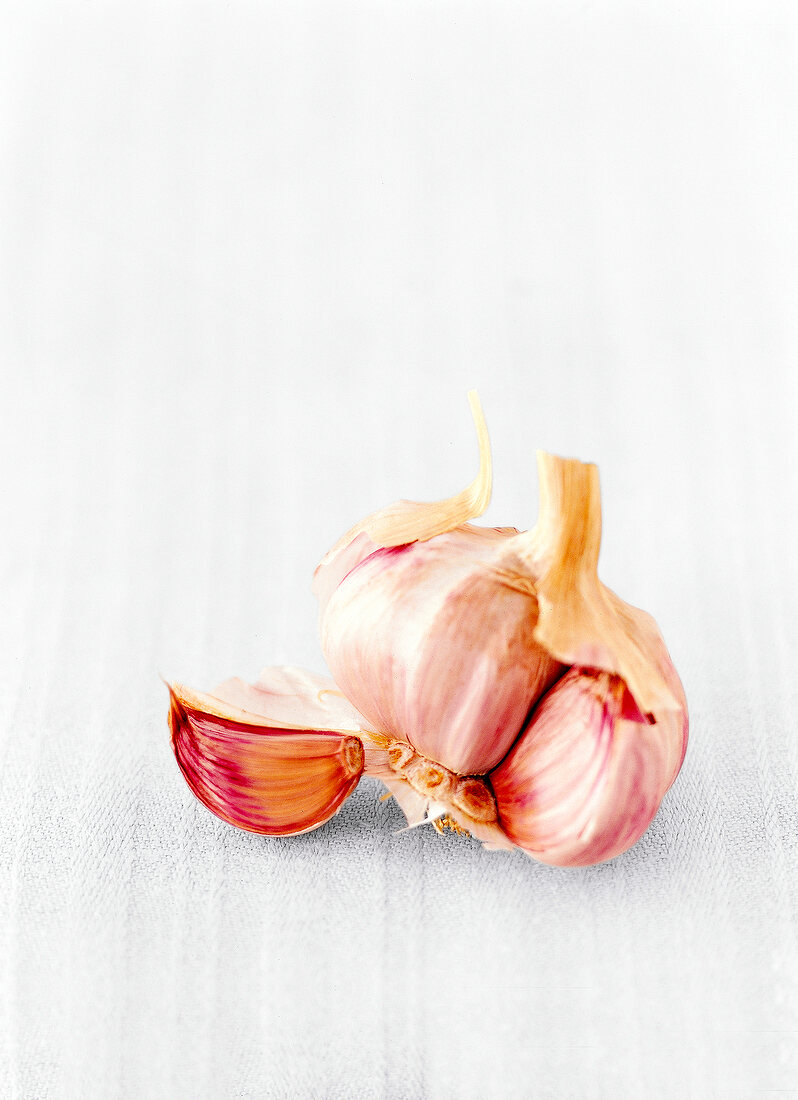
352	755
469	794
441	824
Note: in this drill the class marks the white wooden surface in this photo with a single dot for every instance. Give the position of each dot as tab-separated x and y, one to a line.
252	257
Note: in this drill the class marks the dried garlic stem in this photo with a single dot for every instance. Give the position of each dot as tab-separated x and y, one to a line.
581	622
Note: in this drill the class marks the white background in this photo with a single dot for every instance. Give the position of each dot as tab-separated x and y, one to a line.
252	258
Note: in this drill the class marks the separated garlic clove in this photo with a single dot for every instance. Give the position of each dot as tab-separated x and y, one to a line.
273	779
586	776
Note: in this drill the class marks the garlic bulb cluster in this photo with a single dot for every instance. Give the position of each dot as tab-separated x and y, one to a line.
485	675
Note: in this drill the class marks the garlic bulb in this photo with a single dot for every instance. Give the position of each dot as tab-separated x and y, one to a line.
494	684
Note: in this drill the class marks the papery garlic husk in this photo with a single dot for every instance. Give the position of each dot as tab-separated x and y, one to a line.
279	773
446	636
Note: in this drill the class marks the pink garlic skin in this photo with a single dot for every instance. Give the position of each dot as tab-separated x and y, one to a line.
586	777
434	646
271	779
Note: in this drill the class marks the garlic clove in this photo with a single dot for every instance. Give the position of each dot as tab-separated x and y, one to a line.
273	779
585	778
409	521
436	647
